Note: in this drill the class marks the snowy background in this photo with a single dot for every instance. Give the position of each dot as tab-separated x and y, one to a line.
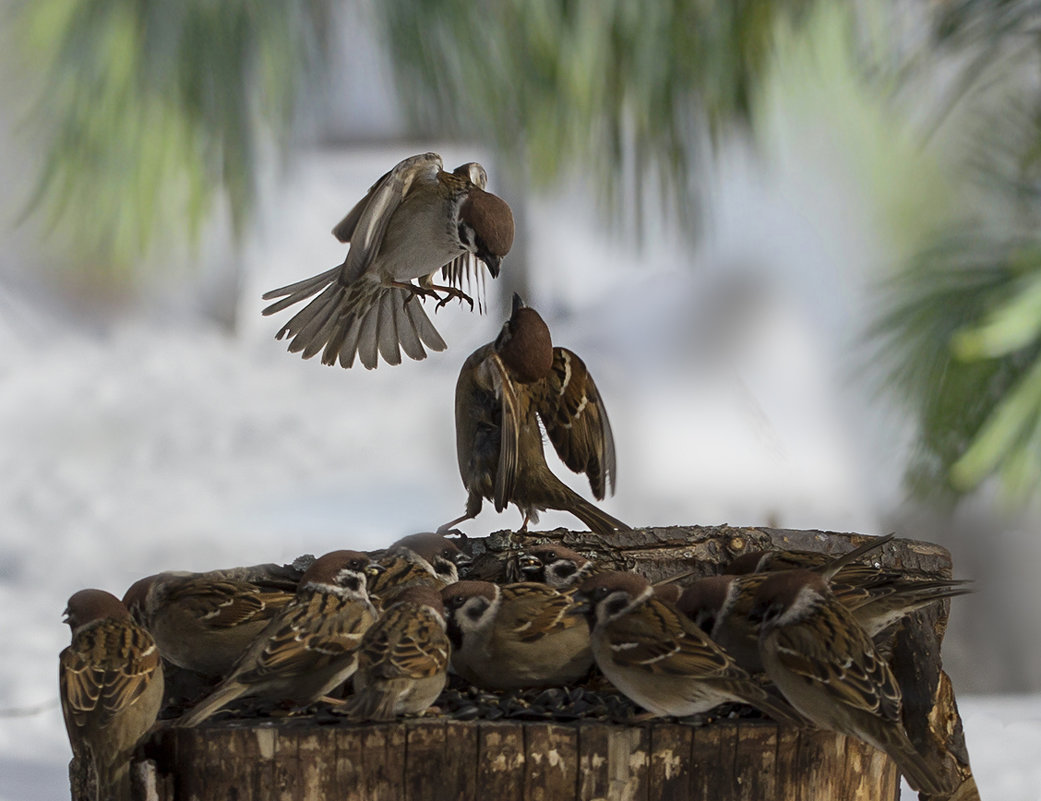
142	436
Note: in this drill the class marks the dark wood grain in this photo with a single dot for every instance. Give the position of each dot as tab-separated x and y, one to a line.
551	756
669	775
501	766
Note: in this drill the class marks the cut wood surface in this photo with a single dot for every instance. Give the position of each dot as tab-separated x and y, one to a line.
309	759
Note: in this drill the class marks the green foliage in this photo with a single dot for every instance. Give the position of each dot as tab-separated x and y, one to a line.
962	334
623	91
149	109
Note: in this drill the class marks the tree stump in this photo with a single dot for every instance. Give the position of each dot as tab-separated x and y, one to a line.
319	759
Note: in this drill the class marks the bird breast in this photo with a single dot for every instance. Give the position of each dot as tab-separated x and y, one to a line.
421	237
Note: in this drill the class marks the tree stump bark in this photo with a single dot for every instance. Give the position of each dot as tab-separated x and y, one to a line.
309	759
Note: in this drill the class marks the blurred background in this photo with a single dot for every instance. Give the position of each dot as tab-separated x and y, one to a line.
796	243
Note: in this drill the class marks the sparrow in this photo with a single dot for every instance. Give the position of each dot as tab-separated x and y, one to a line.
658	658
403	659
200	622
879	597
503	389
556	565
844	564
415	220
516	635
721	605
565	569
111	683
827	667
425	559
308	648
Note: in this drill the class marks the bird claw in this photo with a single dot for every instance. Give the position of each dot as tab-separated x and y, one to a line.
452	292
416	290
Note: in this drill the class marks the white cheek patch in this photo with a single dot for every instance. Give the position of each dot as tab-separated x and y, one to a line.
803	606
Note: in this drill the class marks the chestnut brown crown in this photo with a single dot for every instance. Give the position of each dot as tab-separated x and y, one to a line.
492	222
86	606
524	344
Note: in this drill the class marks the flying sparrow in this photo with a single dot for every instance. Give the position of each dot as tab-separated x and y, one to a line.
425	559
827	667
200	622
503	389
658	658
310	646
403	658
515	635
111	681
414	221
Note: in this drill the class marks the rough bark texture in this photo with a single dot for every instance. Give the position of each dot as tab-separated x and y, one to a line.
302	760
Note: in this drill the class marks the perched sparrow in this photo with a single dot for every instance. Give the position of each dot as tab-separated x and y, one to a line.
555	565
827	667
503	389
414	221
721	605
565	569
428	560
199	622
828	565
515	635
310	646
111	680
881	604
658	657
403	658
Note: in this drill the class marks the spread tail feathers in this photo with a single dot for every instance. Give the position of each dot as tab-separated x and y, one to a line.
364	318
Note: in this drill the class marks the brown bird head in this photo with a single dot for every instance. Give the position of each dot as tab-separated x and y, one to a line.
440	552
607	596
135	599
524	344
787	595
86	606
746	563
421	595
669	593
345	570
486	224
703	600
553	564
469	606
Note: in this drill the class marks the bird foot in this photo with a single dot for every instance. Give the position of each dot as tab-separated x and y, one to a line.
415	290
450	292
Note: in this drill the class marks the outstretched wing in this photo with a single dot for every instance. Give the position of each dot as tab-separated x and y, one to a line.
573	413
366	223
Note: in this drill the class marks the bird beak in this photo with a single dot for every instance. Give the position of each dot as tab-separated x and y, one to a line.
518	303
528	563
463	560
583	606
65	616
374	569
493	263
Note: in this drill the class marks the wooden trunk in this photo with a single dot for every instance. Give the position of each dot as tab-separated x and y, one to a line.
301	759
437	760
